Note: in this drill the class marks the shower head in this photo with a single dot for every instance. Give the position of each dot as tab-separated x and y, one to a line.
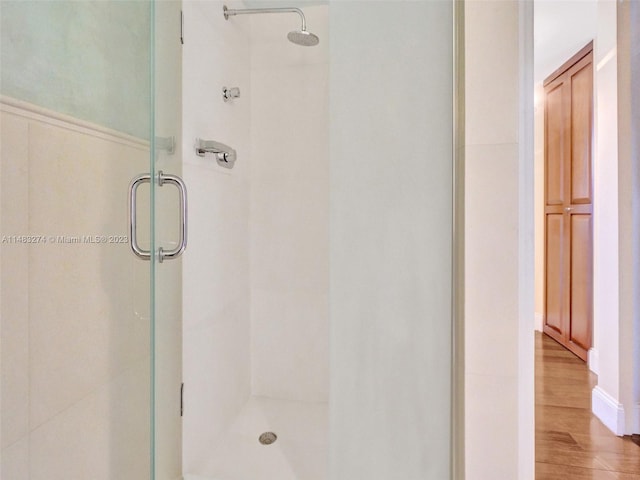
304	38
299	37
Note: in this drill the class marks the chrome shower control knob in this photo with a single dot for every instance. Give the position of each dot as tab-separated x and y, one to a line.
229	93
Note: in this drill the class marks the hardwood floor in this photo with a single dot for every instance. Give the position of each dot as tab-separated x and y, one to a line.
571	443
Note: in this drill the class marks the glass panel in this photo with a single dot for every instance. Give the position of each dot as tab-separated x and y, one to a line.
167	274
391	163
74	299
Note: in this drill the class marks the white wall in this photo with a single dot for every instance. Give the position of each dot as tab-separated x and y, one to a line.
499	425
562	28
628	407
391	138
94	55
289	208
606	267
634	53
216	263
634	323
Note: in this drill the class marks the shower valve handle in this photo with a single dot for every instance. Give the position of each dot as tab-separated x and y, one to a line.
225	155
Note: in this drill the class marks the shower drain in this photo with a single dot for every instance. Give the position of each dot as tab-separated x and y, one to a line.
267	438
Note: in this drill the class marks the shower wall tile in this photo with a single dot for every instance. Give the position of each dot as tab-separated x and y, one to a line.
287	218
14	302
75	348
83	324
103	437
289	184
217	257
216	294
290	344
216	379
14	460
289	209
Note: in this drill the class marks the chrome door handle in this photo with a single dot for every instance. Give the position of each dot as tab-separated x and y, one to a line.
133	222
567	209
133	193
182	245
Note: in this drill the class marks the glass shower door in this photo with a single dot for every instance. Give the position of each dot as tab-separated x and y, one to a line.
90	333
169	237
391	214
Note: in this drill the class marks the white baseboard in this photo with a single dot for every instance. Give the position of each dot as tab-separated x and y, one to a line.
593	359
539	321
608	410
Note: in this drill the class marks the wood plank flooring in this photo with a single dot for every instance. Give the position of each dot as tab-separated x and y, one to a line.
571	443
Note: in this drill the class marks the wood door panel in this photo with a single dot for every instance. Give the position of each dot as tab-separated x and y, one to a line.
581	282
568	203
554	136
554	272
581	91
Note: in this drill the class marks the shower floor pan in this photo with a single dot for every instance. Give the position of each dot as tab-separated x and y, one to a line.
299	453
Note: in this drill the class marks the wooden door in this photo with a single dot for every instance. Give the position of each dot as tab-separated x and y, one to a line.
569	203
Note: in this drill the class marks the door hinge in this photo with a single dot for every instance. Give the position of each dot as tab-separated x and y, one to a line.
181	399
181	27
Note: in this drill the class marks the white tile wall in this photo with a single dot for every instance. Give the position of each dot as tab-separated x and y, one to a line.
281	225
15	281
83	332
103	436
14	379
216	264
289	208
15	460
289	344
75	381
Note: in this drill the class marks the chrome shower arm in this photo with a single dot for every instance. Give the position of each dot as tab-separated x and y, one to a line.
228	12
